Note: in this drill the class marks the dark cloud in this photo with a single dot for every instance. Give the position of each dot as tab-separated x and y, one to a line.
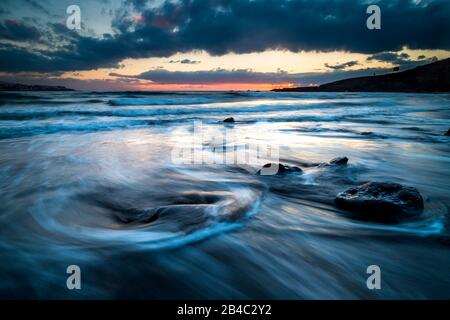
401	59
244	26
18	31
185	61
36	5
4	11
218	76
392	57
138	4
342	66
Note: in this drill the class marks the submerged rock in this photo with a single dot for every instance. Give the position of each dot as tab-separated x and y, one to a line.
339	161
381	201
448	132
229	120
271	169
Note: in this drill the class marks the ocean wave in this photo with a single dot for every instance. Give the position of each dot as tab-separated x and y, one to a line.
98	187
31	130
158	101
176	109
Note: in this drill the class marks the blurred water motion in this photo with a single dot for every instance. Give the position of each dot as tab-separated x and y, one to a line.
88	179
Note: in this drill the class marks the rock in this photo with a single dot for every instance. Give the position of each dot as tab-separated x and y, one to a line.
448	133
381	201
339	161
229	120
282	169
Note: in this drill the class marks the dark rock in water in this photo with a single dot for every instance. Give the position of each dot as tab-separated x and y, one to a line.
448	133
282	169
229	120
381	201
339	161
366	133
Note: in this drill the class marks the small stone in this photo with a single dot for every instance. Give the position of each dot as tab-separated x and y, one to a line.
229	120
339	161
281	169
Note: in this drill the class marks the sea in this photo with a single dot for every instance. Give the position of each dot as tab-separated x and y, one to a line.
152	196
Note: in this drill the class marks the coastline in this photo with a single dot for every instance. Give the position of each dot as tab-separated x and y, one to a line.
430	78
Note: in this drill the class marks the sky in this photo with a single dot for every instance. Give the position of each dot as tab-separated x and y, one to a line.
215	44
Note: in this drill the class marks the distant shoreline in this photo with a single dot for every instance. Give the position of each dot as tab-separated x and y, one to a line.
430	78
6	86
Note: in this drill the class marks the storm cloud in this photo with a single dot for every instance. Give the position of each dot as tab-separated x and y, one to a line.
401	59
185	61
342	66
220	76
18	31
242	26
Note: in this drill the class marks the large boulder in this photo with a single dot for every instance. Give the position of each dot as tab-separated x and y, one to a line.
381	201
278	169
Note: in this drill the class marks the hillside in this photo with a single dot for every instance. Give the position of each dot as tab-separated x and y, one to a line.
433	77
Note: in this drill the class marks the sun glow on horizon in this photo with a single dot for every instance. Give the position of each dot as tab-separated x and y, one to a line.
272	61
214	87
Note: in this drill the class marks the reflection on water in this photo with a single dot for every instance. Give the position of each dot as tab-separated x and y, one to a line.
88	179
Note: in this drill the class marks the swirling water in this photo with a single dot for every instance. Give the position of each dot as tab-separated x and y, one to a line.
89	179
